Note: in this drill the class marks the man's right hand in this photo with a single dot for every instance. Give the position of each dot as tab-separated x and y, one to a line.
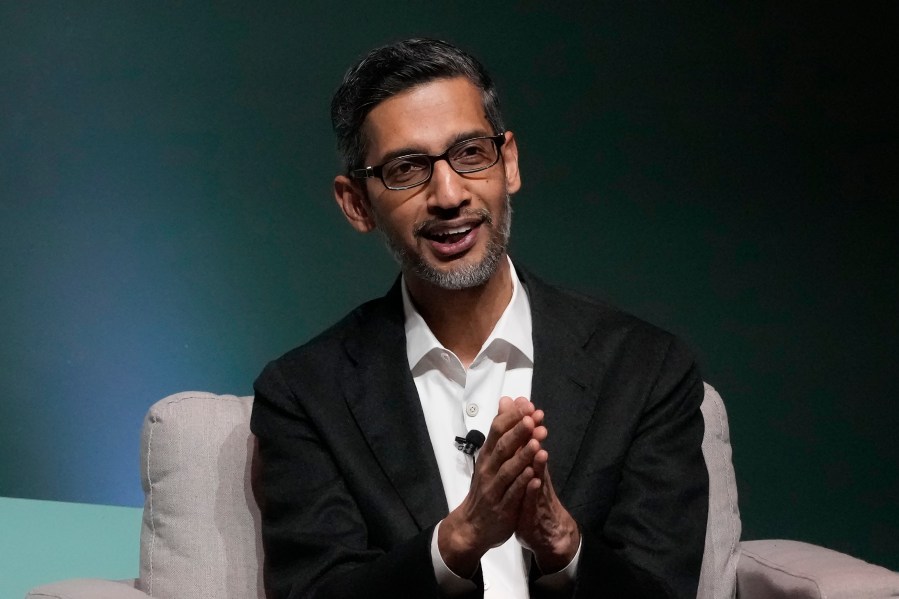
504	470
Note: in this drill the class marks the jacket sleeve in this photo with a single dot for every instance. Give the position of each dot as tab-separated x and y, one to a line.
651	542
315	538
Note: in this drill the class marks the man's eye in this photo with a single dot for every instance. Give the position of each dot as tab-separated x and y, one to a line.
472	153
402	170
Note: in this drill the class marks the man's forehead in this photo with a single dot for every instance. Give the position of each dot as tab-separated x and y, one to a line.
426	118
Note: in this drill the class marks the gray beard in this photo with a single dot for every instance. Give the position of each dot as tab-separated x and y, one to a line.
462	277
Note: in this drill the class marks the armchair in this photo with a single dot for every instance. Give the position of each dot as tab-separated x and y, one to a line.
200	531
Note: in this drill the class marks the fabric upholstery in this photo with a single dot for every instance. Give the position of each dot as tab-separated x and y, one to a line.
87	588
199	536
794	570
717	579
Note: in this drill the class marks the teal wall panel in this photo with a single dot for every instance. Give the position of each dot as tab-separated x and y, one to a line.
49	541
726	172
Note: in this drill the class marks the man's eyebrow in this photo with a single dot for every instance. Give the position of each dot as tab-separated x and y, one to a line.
407	150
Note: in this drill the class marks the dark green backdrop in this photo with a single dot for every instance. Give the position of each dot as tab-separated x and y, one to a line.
728	173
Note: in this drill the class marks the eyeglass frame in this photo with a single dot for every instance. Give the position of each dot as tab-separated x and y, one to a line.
377	171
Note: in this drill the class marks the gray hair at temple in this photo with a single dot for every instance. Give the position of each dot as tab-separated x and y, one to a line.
391	69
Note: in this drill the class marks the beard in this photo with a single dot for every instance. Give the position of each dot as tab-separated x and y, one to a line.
464	276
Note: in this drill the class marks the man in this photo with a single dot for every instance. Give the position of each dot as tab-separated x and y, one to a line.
591	480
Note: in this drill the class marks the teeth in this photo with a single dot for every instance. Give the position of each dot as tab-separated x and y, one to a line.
455	231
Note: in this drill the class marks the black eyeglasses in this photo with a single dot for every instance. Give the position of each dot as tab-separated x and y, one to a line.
467	156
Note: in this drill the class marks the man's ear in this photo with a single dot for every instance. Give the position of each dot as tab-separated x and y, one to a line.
510	163
353	202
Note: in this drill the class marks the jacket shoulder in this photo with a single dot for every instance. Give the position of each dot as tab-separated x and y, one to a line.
592	318
324	347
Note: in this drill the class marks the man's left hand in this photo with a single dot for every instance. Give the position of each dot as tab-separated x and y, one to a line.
545	526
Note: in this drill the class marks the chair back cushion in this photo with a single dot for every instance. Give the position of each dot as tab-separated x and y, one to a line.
200	533
201	527
718	579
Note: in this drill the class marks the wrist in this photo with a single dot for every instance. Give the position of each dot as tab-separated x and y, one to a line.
457	545
557	551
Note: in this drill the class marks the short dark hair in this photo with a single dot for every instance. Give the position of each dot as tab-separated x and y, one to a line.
391	69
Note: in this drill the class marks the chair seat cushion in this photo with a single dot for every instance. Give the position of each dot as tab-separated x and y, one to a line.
778	569
87	588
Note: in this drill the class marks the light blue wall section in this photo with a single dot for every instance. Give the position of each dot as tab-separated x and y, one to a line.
48	541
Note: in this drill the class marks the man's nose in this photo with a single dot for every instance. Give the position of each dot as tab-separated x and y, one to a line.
447	187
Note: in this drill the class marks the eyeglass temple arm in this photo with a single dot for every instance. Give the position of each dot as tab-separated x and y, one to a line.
363	173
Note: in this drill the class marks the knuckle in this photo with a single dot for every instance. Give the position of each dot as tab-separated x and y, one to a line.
499	448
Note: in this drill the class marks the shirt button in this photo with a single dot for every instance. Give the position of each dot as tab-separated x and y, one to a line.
486	584
445	356
472	409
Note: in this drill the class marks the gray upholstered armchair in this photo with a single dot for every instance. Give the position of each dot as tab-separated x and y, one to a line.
200	534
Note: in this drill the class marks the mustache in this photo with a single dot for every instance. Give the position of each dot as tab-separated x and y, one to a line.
482	214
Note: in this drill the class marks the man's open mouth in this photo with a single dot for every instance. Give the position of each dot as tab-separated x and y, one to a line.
449	236
450	241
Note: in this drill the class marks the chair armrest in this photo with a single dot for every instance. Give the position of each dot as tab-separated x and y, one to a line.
777	569
87	588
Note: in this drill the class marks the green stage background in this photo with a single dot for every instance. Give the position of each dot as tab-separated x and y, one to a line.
727	172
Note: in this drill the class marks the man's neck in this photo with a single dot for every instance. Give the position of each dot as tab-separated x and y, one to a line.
463	319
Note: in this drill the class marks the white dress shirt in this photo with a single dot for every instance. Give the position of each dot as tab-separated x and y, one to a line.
454	401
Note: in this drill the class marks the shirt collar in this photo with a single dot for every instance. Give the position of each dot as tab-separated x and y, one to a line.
513	326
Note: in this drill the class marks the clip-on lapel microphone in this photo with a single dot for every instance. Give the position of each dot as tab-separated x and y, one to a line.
470	443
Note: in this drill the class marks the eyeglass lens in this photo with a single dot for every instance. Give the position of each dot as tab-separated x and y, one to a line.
465	157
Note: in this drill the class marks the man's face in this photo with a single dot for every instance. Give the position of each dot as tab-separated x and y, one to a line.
453	230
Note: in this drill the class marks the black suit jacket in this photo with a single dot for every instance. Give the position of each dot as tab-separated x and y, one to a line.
349	486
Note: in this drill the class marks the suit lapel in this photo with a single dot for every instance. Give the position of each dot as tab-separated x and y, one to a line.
384	401
564	373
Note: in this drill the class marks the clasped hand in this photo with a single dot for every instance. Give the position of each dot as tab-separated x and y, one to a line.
511	493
